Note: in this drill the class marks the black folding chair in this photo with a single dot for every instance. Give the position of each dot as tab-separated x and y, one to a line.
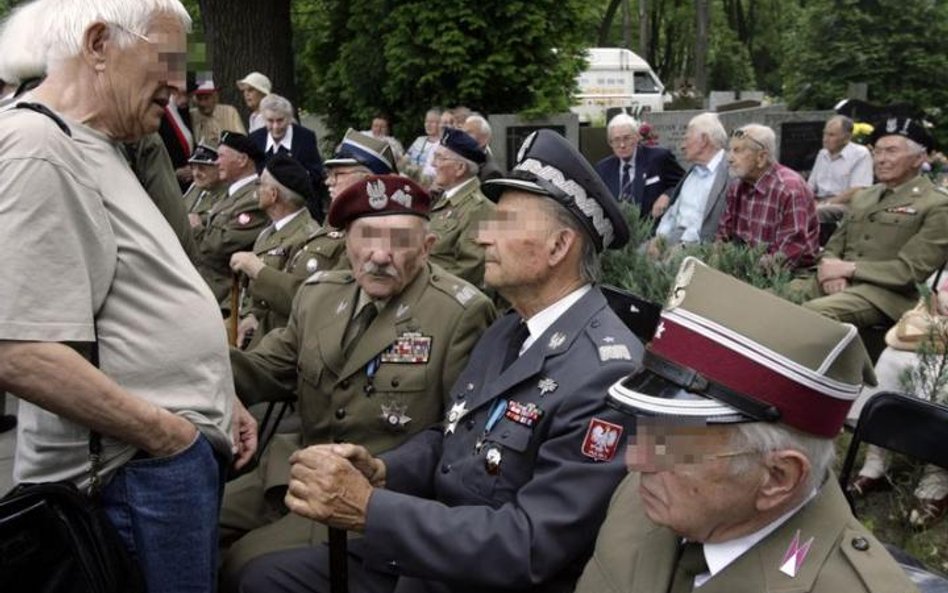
903	424
267	429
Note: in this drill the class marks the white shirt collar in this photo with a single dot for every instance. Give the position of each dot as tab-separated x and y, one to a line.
450	192
721	554
279	224
712	165
240	183
542	321
286	142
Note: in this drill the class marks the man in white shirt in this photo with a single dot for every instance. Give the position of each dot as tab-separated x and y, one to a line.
699	198
730	489
841	168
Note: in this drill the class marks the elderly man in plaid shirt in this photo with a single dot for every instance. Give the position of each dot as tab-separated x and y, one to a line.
768	203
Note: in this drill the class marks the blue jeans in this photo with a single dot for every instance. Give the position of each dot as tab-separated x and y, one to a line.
166	511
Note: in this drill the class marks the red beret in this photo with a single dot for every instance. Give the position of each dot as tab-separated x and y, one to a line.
379	195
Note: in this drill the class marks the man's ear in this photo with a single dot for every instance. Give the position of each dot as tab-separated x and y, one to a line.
787	471
94	42
562	240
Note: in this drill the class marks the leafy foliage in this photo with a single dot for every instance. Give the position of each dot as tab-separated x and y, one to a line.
401	57
895	47
653	278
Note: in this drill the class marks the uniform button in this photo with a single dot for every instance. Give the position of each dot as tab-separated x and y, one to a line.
344	384
435	277
865	237
470	387
341	413
460	396
264	304
505	435
369	389
595	323
470	424
860	543
446	468
395	382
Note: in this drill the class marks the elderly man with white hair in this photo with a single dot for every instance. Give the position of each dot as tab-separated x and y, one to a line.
115	337
282	134
697	202
636	173
477	127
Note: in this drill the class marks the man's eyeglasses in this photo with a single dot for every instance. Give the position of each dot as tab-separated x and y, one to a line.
623	140
741	133
176	62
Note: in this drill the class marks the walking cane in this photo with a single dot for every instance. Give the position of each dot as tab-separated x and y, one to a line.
338	564
234	304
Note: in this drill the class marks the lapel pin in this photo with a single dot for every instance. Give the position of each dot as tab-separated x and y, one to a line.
795	555
342	307
557	340
546	385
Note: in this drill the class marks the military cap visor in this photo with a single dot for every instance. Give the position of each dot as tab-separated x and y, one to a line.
358	149
549	166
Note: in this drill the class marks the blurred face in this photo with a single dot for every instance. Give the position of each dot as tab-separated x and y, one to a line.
339	178
379	127
834	139
692	145
230	163
205	176
206	102
623	140
267	191
474	131
387	252
448	169
433	124
135	83
447	120
746	158
686	481
252	97
894	162
277	123
517	241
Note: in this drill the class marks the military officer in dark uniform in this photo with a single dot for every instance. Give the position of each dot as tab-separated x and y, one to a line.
206	189
357	157
370	354
507	493
285	190
234	222
460	206
730	486
894	236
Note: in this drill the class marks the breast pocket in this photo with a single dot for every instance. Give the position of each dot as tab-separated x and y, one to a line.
405	402
892	227
503	464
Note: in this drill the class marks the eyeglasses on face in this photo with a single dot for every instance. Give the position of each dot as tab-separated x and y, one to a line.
740	133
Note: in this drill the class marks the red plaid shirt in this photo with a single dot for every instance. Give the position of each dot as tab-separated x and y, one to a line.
778	211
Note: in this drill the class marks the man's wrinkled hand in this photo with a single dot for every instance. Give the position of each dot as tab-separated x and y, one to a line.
371	467
835	285
247	324
660	206
244	435
247	263
832	268
327	488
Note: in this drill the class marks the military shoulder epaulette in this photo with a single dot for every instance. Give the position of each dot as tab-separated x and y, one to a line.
609	343
941	190
456	288
330	277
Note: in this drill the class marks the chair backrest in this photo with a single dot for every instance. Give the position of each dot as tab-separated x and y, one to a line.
903	424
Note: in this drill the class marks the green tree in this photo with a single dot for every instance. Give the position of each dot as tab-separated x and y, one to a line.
895	47
403	56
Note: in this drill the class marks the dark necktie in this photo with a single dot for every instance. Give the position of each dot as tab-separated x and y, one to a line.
357	326
520	335
691	563
625	191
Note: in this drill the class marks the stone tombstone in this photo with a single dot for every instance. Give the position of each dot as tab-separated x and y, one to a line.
800	141
510	130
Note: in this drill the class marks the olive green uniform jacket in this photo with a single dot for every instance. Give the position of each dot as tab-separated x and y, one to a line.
232	225
324	250
896	239
276	249
200	202
394	384
454	220
634	555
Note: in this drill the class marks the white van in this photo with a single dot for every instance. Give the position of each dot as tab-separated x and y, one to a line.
616	77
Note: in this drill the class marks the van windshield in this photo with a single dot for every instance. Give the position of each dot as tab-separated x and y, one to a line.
644	83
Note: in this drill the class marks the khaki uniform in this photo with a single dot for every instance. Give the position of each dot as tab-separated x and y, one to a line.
394	384
323	251
454	220
207	129
232	225
276	248
896	238
201	201
633	555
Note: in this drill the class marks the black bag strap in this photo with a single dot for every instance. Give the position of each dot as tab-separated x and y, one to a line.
40	108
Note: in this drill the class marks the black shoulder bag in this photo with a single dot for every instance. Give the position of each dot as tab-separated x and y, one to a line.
54	538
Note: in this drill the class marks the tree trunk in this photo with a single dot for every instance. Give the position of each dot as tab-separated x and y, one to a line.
243	36
702	28
606	24
644	32
626	25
